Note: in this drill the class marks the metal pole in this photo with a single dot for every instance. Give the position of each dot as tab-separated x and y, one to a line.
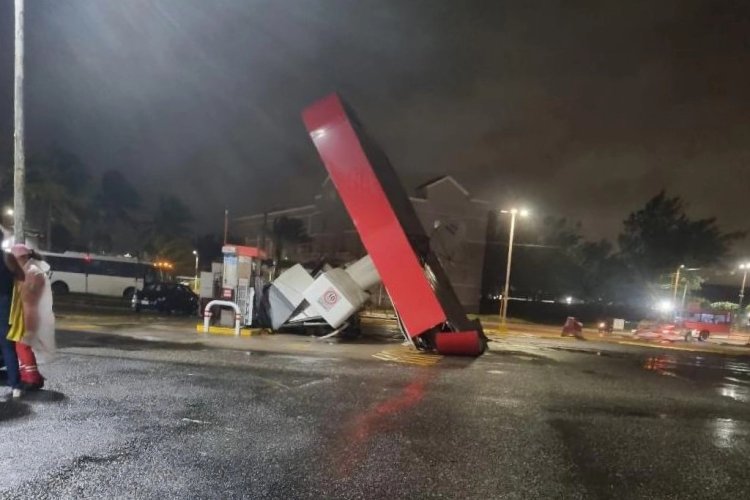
742	289
19	160
504	309
195	283
226	225
676	285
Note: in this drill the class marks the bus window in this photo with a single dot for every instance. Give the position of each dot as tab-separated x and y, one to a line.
65	264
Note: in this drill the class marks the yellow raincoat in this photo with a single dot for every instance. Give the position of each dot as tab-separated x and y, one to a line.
16	323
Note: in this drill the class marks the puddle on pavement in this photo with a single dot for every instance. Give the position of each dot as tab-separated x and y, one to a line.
103	340
727	432
612	411
730	376
594	352
737	392
519	355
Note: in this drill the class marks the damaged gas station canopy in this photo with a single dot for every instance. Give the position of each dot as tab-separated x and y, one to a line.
427	306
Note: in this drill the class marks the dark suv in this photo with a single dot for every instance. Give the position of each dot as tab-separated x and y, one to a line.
167	298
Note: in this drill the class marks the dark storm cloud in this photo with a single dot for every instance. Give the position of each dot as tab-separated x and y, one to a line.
579	108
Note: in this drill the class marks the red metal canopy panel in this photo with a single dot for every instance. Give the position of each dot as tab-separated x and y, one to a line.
374	217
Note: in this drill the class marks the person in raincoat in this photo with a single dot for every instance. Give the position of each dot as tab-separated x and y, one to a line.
9	272
31	312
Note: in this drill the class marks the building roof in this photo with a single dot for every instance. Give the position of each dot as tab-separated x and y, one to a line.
438	180
420	190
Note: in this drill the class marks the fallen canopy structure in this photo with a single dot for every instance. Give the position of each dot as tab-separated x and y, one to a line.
428	309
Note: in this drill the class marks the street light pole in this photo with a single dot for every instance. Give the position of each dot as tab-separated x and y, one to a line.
745	268
676	285
19	159
195	281
506	291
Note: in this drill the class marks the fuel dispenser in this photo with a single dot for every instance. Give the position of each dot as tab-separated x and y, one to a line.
240	268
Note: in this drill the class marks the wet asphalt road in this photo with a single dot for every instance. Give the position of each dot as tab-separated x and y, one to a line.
127	418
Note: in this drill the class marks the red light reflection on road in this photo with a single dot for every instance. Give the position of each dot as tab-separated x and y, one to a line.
661	365
374	420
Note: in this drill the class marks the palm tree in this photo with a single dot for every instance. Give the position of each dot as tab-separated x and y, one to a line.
57	184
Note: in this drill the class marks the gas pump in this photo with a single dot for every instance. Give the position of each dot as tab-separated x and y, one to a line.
240	268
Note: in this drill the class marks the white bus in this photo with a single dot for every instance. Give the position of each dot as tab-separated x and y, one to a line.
74	272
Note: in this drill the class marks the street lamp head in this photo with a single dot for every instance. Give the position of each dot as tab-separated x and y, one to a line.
195	252
682	266
9	212
522	212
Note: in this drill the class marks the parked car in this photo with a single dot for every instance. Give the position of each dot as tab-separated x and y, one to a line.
166	298
659	331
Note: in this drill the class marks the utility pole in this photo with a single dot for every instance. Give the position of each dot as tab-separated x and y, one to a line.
226	225
263	231
19	156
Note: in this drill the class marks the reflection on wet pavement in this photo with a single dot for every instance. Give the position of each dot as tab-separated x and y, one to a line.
736	392
725	432
731	375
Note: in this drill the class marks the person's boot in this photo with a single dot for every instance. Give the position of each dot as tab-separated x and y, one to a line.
33	386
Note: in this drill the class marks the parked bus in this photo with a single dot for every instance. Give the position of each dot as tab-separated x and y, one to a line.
74	272
704	324
695	324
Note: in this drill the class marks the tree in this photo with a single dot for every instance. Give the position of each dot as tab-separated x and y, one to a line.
660	237
545	258
111	206
287	231
168	233
172	218
599	270
57	184
209	249
116	199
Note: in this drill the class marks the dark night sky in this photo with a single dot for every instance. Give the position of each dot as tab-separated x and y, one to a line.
581	108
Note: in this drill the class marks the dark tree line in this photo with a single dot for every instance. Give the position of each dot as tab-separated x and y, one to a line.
553	259
69	208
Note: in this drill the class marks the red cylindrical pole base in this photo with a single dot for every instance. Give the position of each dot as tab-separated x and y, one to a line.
460	343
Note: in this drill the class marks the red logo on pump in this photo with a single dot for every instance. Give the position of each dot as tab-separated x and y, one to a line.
329	299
